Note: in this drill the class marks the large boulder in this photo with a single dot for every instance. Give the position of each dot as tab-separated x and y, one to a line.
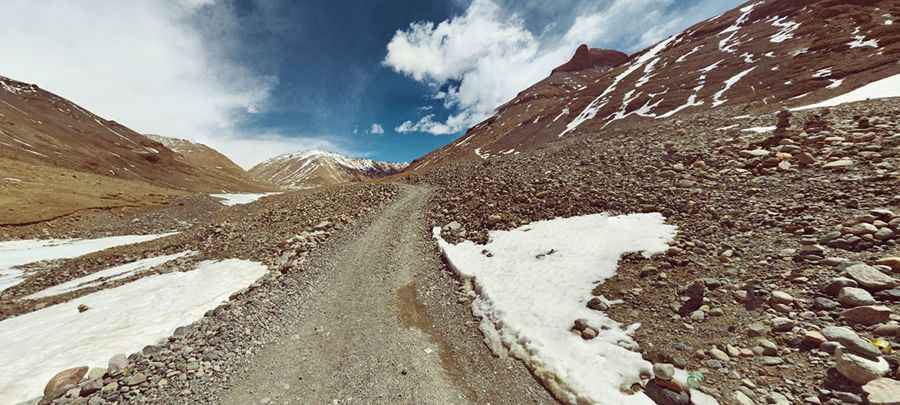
63	381
867	315
665	396
851	341
883	391
855	297
892	261
870	278
858	368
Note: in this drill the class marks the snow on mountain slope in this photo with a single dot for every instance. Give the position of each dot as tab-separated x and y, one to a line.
315	168
763	55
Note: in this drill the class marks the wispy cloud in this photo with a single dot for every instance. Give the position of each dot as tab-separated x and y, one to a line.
481	59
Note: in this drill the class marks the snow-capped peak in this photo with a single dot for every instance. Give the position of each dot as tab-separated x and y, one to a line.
313	168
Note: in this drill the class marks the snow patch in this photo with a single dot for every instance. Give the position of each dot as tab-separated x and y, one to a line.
860	41
110	274
565	111
537	283
240	198
726	45
787	29
887	87
758	130
39	344
717	98
594	106
21	252
835	83
798	52
684	57
822	73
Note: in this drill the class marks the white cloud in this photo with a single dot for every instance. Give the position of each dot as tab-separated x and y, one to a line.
429	125
142	63
376	129
247	151
484	57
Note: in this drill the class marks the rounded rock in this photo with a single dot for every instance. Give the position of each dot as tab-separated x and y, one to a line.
859	369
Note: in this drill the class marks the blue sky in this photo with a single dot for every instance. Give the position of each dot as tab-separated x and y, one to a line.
256	78
327	57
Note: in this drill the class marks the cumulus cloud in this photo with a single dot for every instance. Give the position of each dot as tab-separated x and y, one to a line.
481	59
426	124
144	64
376	129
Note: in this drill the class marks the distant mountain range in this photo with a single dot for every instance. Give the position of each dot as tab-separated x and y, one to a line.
316	168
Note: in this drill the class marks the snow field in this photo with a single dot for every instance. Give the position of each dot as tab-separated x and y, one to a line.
39	344
887	87
21	252
538	281
112	273
240	199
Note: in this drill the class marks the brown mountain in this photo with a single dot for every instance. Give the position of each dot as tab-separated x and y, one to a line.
314	168
212	161
763	55
57	158
41	128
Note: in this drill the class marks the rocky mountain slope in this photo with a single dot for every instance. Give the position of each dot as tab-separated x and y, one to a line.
763	55
310	169
211	160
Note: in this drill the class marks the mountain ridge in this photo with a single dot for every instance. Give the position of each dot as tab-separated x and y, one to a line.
763	55
315	168
201	155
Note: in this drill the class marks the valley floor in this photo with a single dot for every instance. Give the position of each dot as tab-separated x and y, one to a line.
786	254
356	312
365	337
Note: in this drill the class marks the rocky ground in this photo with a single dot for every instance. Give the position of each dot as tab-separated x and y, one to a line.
259	232
280	232
209	361
780	287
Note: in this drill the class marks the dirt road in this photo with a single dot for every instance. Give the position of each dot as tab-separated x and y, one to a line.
359	343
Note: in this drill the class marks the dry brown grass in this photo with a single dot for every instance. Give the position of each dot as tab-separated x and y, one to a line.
30	193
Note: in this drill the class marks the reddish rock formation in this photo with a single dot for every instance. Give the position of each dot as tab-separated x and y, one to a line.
586	58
